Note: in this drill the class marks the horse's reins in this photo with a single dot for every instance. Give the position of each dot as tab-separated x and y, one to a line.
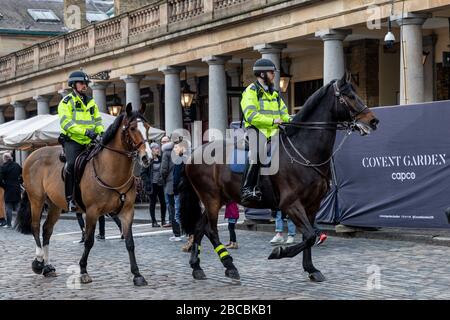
129	154
340	125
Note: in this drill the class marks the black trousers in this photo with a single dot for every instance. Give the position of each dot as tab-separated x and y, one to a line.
72	149
231	229
101	224
157	193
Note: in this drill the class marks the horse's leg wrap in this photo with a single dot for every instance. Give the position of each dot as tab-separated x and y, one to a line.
194	260
227	261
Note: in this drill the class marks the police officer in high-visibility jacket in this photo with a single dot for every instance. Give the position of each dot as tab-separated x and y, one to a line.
81	123
263	110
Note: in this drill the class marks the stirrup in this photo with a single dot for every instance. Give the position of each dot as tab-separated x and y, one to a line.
71	206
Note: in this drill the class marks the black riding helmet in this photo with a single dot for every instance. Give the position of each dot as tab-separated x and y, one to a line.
78	76
263	65
260	69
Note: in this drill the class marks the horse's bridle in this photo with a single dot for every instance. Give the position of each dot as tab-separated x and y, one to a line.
130	154
339	125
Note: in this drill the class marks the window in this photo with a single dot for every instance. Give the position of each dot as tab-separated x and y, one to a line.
43	15
96	16
304	89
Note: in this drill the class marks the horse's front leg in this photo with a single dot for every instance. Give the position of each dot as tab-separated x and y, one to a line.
91	221
298	215
126	218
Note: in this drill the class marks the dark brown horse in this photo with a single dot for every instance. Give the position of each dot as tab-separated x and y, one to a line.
305	151
107	186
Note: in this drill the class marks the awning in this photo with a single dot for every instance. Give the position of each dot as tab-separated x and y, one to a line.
44	130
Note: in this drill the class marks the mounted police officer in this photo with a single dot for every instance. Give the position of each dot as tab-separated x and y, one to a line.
263	111
81	123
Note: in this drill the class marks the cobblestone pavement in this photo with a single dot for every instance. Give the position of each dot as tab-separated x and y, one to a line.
406	270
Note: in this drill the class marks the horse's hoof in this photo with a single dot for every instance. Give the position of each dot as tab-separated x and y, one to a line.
276	253
198	274
49	271
37	266
317	276
139	281
85	278
232	274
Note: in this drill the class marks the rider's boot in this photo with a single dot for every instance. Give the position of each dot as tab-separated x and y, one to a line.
249	190
69	192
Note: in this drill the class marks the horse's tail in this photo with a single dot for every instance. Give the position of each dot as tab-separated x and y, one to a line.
23	220
190	210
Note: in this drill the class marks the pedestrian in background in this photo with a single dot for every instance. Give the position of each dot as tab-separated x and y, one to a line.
11	177
232	214
153	184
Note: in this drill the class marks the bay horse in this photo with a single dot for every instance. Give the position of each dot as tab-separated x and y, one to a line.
305	150
107	186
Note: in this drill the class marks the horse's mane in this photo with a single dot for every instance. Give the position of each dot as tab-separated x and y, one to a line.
311	103
110	133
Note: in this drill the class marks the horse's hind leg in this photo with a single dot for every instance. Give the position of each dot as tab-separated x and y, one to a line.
213	235
36	209
47	230
194	261
126	218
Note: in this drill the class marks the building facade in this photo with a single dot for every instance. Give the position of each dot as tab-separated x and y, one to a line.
150	53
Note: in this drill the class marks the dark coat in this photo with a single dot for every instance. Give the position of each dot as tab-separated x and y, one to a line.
167	167
147	177
11	177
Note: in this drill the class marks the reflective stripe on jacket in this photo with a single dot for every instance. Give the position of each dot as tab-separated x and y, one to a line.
75	118
260	108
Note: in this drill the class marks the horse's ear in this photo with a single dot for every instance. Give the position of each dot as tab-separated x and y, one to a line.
142	110
129	109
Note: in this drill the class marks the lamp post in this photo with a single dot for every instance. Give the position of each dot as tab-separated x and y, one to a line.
187	96
285	78
116	106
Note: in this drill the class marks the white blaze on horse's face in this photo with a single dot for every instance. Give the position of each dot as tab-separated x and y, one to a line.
144	157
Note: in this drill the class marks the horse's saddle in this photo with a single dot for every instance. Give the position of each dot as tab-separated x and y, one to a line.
239	155
80	165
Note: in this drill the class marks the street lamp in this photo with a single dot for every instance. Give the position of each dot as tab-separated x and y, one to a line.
284	78
116	106
187	96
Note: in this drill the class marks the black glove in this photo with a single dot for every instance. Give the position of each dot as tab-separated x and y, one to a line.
91	134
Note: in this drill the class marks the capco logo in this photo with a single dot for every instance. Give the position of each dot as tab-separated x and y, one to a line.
402	176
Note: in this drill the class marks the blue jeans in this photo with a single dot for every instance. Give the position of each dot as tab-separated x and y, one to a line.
279	225
177	208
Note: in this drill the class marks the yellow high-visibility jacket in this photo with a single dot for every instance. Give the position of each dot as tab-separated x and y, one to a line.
260	108
75	118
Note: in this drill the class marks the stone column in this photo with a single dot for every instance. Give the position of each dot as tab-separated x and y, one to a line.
172	98
217	95
333	53
19	114
2	116
99	95
156	104
19	110
235	106
272	52
411	68
43	106
133	91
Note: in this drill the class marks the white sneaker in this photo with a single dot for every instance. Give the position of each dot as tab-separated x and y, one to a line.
176	239
277	239
290	240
